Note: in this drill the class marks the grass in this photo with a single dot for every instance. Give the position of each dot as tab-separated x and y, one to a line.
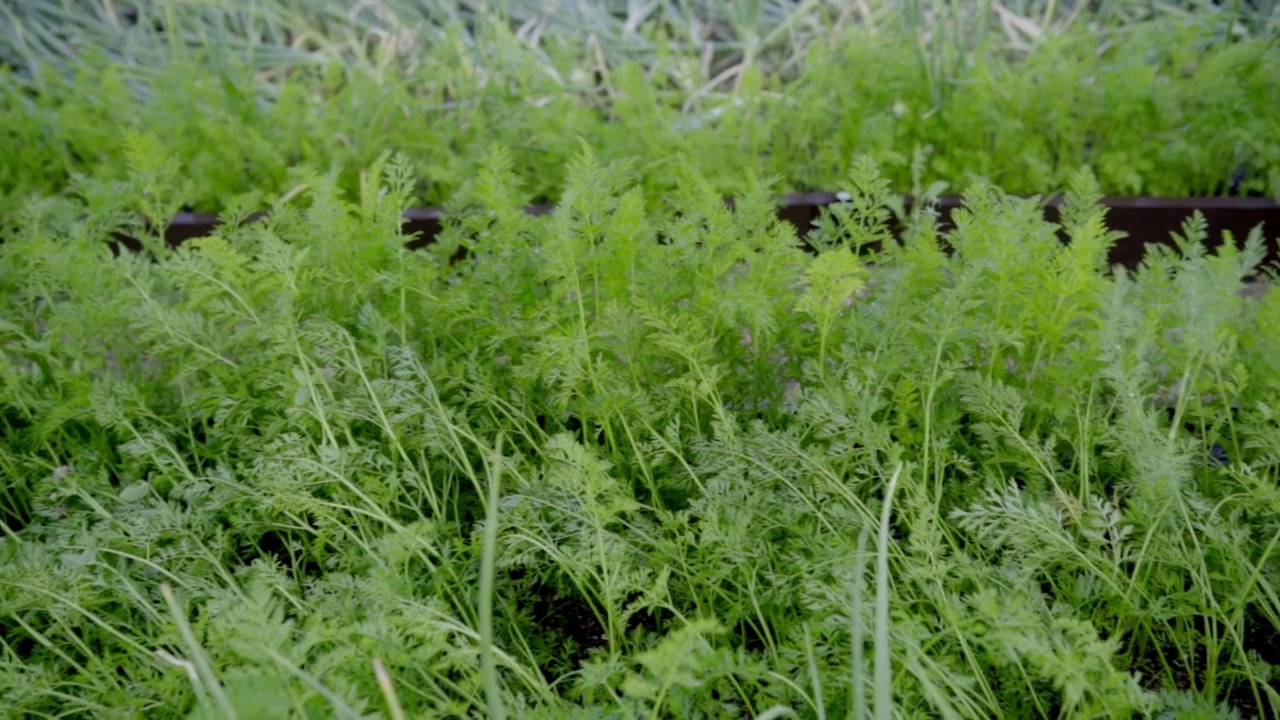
627	460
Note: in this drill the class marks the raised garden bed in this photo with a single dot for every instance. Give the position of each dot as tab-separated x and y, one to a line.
1144	220
646	460
1150	114
284	449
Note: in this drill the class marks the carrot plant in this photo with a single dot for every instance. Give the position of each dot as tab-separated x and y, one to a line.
644	457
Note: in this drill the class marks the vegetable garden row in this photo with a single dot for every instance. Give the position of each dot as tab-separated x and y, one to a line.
588	441
1166	110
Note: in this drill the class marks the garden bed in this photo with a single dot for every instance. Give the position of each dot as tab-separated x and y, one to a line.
1145	221
646	455
1147	109
649	462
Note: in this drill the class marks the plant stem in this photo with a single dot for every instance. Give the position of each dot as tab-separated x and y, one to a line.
488	668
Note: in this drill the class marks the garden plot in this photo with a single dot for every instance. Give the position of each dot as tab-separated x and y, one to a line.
585	473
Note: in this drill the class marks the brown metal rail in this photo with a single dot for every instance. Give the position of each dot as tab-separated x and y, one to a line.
1145	221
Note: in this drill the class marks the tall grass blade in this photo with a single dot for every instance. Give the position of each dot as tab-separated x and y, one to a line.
883	670
488	666
198	658
857	686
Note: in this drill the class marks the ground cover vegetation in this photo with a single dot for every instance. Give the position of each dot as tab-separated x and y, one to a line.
1178	104
626	462
648	456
